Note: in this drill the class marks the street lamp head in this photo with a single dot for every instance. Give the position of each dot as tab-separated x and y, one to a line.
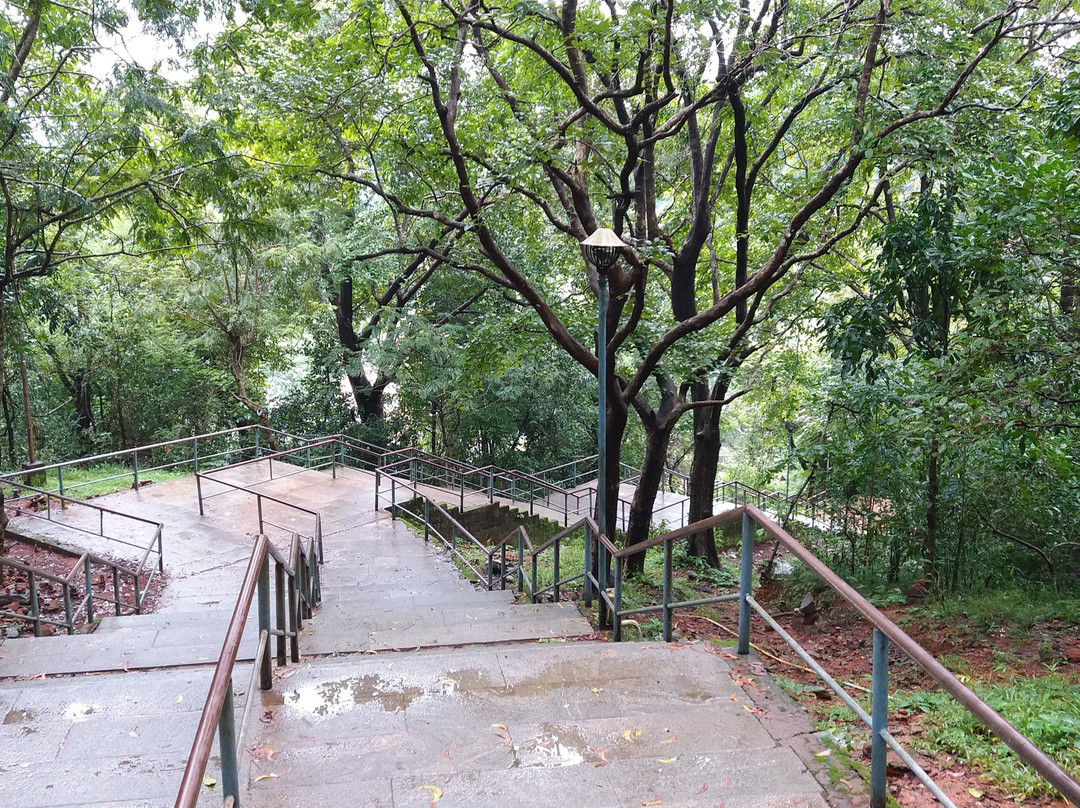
602	248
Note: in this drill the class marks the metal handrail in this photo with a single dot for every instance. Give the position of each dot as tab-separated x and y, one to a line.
155	540
885	631
218	712
259	499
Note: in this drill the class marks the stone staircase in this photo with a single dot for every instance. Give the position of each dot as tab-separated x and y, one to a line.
415	687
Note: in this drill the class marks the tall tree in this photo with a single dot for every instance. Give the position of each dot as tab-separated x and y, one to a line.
771	130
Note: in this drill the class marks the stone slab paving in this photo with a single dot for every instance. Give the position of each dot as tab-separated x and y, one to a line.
537	724
476	710
117	739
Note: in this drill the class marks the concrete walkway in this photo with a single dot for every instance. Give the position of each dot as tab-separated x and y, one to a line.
415	688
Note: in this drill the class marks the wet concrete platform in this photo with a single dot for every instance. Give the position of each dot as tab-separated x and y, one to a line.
531	725
415	687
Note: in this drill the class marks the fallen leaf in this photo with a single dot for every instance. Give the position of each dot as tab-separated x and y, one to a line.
209	781
598	690
133	734
733	697
727	783
499	726
654	801
823	753
669	740
847	783
704	788
435	791
502	735
976	793
273	775
754	710
666	760
630	734
602	754
446	754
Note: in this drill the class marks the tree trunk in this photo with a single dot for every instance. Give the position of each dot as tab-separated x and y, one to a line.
930	545
703	474
641	509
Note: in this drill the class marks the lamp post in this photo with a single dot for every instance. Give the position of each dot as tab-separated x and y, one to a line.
602	249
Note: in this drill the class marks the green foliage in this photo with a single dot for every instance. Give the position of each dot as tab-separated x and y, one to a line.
1045	709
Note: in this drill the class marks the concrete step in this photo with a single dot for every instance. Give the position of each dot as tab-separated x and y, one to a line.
346	627
359	597
208	620
130	647
536	725
116	739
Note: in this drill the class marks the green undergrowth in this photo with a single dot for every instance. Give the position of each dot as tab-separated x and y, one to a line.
1045	709
1016	610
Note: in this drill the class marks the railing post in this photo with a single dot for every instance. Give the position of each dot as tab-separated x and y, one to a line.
521	574
491	486
258	448
138	596
588	565
667	591
198	486
533	580
378	474
427	518
67	609
89	591
160	552
116	589
294	607
555	582
135	467
258	503
195	455
462	490
616	619
266	678
318	534
35	608
279	604
230	774
60	478
745	578
602	611
879	717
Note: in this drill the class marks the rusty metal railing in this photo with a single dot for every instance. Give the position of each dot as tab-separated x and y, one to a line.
260	500
295	594
457	531
611	566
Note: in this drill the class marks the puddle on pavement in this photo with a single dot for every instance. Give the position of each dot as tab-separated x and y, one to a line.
556	745
76	711
20	717
388	693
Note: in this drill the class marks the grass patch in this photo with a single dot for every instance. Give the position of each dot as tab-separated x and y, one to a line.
1045	709
84	482
1016	610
